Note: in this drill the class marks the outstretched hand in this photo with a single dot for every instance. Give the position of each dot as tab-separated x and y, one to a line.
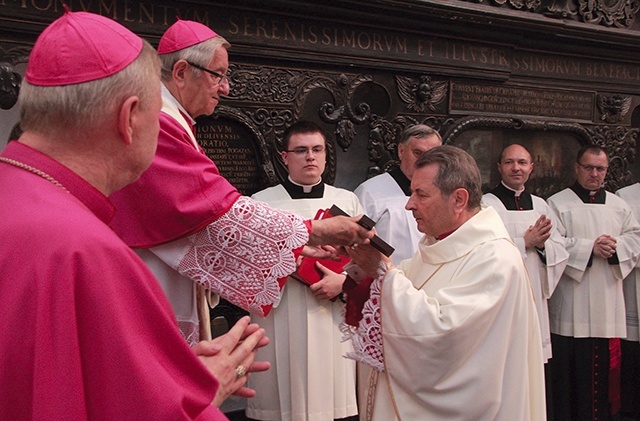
321	253
339	231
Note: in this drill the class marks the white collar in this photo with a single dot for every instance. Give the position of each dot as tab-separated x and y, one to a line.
169	97
305	187
517	192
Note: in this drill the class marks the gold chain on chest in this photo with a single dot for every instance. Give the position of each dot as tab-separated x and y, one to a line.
33	170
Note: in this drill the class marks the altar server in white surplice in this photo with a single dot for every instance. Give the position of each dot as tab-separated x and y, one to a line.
529	222
385	195
630	370
452	333
309	378
587	311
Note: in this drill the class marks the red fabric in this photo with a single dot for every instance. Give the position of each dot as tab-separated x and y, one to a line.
86	331
181	193
309	225
296	254
615	358
308	273
357	296
281	281
445	235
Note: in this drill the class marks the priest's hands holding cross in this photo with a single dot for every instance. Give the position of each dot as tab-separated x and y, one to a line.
230	358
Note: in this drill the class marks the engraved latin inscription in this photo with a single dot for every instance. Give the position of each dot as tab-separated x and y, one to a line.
230	147
345	40
510	100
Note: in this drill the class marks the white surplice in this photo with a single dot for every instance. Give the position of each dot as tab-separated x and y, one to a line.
631	195
309	379
543	277
588	301
384	202
460	338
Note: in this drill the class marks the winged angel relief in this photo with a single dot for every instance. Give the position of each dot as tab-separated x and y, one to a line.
613	108
421	94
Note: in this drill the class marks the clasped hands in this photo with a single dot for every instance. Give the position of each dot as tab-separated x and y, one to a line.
538	233
604	246
230	358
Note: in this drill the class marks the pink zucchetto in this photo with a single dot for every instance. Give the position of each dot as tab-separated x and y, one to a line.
183	34
81	47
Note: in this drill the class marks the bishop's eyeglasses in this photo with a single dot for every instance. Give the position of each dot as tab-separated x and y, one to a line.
218	78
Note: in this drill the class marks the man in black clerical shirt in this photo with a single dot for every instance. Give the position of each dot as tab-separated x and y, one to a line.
530	224
304	327
587	311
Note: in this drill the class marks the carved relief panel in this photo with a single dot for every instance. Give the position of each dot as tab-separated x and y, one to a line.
618	13
365	113
364	83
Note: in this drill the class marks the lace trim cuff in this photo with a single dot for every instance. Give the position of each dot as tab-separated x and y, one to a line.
190	332
367	337
246	254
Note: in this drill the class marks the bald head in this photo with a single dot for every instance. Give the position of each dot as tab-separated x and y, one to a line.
515	166
514	149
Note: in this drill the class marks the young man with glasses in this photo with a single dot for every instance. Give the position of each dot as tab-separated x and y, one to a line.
188	223
310	379
586	311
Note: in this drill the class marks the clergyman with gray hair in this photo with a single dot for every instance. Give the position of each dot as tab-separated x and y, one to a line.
453	332
193	229
384	195
87	332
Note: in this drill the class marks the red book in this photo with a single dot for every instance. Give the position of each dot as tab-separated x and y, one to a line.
307	272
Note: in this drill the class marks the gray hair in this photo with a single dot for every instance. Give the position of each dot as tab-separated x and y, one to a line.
420	131
456	169
88	104
199	54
